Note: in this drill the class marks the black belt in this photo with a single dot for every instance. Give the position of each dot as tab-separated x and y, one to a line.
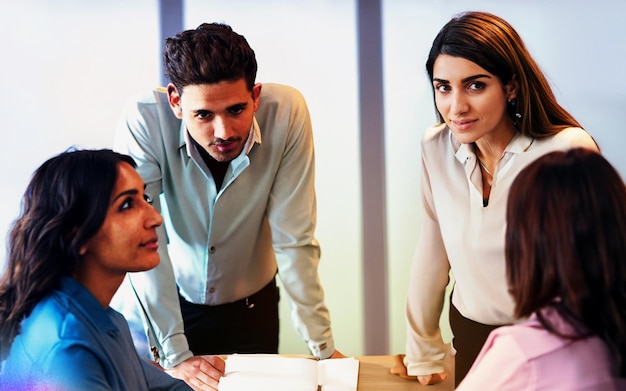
247	302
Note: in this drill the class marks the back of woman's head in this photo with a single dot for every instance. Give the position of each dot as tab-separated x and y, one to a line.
493	44
566	244
64	205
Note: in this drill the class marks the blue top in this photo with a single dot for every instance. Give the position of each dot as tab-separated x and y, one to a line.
70	342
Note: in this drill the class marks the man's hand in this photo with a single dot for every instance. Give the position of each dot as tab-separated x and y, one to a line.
200	372
400	370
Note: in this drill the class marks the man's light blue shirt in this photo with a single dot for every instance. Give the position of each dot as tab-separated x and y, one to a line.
221	246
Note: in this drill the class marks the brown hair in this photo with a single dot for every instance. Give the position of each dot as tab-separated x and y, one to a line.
566	245
492	43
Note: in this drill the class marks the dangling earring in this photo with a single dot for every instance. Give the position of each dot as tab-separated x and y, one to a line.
518	116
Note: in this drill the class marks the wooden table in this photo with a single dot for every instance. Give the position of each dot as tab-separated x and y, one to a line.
374	376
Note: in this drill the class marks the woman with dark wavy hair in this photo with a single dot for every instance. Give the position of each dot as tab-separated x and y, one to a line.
566	271
85	222
497	113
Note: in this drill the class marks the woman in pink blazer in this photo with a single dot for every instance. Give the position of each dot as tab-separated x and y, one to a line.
566	270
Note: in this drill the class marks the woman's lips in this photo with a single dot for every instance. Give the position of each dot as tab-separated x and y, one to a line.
152	244
463	124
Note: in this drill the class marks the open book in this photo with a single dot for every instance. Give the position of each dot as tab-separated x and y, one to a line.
261	372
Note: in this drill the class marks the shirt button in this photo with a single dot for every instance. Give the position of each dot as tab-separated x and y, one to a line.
212	289
212	250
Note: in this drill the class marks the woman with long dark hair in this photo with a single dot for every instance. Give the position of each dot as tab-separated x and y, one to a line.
497	114
85	222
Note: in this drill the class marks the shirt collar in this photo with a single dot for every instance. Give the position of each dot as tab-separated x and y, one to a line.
88	304
254	137
241	162
518	144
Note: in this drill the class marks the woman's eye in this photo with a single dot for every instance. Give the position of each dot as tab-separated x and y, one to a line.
147	198
443	88
476	86
127	204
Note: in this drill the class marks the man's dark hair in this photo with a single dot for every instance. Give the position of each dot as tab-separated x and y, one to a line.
211	53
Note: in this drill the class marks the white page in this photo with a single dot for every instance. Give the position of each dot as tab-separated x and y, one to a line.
339	374
265	372
269	373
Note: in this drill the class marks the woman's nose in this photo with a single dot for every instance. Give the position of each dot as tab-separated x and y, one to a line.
459	103
154	218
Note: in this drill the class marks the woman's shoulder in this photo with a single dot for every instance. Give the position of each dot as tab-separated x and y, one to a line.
534	339
436	134
436	131
529	336
572	137
62	315
41	333
47	318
